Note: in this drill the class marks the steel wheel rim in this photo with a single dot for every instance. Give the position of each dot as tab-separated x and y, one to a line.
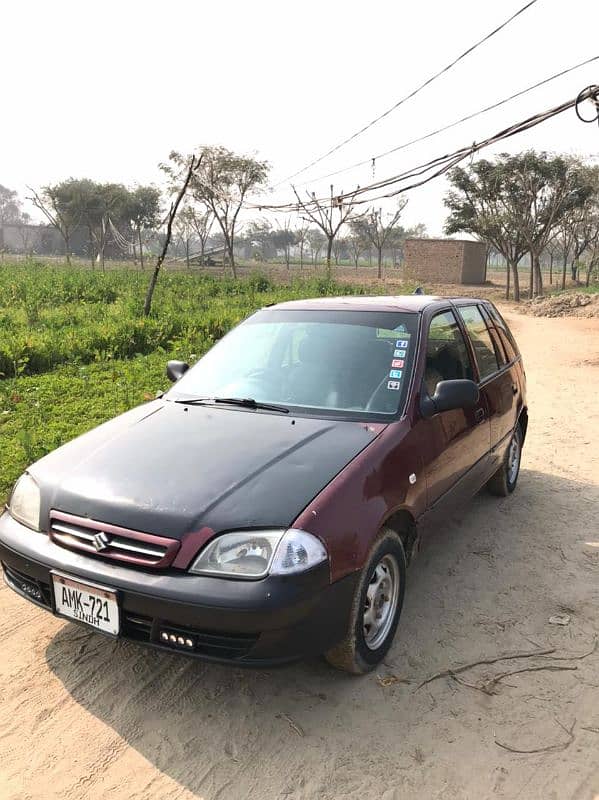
513	462
381	601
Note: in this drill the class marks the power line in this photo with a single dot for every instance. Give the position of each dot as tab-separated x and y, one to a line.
442	164
410	95
457	122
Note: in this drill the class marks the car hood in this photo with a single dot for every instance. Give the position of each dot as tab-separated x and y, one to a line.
168	469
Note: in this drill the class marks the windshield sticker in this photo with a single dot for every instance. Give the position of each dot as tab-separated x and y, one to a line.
399	354
384	333
395	373
393	385
397	362
402	343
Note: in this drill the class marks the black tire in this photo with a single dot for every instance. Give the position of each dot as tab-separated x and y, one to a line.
353	654
505	479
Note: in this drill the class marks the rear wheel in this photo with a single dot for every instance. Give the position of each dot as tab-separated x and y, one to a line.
376	608
505	479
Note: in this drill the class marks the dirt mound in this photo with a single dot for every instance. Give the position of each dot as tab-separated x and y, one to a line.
564	305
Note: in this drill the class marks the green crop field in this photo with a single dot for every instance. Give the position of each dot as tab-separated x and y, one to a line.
75	349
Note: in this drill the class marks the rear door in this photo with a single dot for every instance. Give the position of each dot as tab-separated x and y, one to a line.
457	441
496	379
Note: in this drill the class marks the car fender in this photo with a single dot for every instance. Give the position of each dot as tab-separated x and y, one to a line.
384	483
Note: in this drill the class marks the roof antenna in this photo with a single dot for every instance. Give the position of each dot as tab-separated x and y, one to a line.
419	290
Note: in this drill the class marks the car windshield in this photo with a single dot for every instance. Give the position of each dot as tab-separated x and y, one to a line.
345	363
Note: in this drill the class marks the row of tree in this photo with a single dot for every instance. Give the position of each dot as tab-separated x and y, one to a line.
106	211
526	205
209	213
529	204
371	239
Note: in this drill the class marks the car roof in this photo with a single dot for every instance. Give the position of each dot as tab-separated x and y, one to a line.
403	302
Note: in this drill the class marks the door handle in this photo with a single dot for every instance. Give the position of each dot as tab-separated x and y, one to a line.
479	414
514	388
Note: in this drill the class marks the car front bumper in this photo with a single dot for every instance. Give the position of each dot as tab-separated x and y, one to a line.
260	623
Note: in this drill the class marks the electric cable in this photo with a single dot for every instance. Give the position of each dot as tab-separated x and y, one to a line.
371	160
411	94
441	164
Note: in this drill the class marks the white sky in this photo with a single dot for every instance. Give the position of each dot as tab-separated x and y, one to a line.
106	90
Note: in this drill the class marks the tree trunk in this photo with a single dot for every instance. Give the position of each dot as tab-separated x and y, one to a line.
564	266
229	243
507	281
590	267
91	246
516	277
301	256
329	250
187	262
551	268
67	247
141	247
380	262
193	165
531	277
538	276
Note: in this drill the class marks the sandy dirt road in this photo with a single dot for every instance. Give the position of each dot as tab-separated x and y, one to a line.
84	717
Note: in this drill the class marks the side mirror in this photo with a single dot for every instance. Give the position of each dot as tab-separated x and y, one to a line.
448	396
176	370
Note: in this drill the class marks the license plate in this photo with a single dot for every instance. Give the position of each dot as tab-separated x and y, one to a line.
94	605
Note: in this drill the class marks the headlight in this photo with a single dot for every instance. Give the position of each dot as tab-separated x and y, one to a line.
24	504
255	554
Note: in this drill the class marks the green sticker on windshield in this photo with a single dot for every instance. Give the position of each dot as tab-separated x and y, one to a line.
385	333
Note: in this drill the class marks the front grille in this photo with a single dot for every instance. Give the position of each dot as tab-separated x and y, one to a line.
35	590
136	626
111	541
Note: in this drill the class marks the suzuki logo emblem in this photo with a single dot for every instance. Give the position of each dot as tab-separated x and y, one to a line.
101	541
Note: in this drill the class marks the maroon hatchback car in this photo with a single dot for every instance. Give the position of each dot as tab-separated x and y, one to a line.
266	507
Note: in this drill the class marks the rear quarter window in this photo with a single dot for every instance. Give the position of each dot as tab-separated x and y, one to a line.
505	333
484	349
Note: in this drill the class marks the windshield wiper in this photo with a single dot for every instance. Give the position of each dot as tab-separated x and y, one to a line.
244	402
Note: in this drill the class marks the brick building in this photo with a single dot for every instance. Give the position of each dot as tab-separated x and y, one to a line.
445	260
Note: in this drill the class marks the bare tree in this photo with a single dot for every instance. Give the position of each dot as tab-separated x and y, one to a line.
301	238
329	216
316	240
339	247
378	230
283	238
356	244
202	221
185	230
193	165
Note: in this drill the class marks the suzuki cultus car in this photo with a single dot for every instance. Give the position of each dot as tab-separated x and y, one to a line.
266	506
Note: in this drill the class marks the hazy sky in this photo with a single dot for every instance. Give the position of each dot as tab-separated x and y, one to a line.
106	90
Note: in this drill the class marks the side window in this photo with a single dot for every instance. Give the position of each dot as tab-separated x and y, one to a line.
446	352
511	348
500	350
480	337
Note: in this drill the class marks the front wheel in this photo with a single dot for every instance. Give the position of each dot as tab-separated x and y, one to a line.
376	607
505	479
